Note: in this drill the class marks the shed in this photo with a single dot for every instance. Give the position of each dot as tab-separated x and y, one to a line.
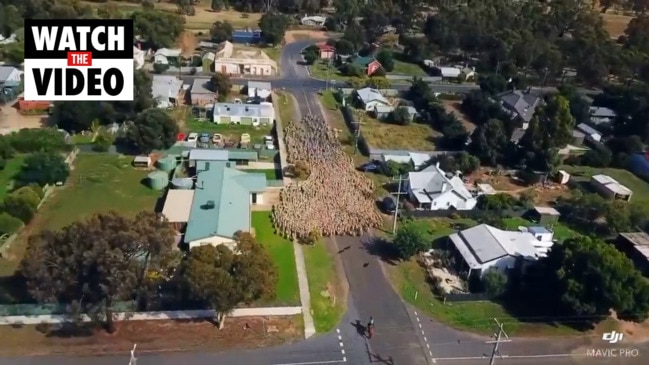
610	188
208	155
142	161
246	36
635	245
590	132
449	72
544	215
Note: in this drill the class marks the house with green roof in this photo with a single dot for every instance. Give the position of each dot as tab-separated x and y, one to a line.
218	206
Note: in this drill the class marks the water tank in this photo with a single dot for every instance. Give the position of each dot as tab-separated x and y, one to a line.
167	164
184	183
158	180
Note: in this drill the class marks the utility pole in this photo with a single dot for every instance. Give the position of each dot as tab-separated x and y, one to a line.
396	205
501	336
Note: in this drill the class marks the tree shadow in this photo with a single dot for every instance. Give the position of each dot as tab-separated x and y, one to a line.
13	289
381	248
360	329
69	330
376	358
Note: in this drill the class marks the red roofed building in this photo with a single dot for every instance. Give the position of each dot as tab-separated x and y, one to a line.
326	51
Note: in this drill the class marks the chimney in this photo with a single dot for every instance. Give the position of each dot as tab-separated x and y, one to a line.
444	185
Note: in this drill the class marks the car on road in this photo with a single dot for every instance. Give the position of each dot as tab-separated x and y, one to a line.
192	137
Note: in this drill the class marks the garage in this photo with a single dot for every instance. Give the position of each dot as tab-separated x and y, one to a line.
246	120
264	121
226	120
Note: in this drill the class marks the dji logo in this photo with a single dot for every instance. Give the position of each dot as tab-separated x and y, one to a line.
613	337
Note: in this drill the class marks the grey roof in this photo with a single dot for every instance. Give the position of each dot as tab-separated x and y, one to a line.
520	103
538	230
5	72
368	94
208	155
260	85
164	87
244	110
601	112
200	86
482	244
587	129
577	134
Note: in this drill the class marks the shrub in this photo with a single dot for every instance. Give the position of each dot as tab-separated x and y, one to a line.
9	224
102	142
38	190
19	207
495	283
3	164
38	140
29	195
160	67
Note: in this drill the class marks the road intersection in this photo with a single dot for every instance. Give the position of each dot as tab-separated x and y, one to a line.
403	336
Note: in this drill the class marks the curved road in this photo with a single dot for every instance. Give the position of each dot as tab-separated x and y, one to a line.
403	336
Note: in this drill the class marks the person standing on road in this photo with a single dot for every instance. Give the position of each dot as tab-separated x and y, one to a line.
370	327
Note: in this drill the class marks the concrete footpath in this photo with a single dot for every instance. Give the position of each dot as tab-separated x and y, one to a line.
152	316
305	294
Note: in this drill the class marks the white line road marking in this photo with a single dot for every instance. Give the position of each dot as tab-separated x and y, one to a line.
425	340
342	351
415	313
503	357
427	345
419	325
316	362
417	319
344	359
341	344
337	330
340	338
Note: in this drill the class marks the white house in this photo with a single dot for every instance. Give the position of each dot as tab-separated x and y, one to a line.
246	114
600	115
163	54
371	98
434	189
9	75
166	90
138	57
483	248
259	89
590	132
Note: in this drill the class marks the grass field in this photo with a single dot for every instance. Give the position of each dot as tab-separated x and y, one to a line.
615	24
271	174
281	251
639	187
327	309
402	67
417	137
321	70
561	232
99	183
229	131
7	175
284	107
410	282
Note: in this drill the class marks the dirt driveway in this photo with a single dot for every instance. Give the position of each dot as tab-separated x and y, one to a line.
11	120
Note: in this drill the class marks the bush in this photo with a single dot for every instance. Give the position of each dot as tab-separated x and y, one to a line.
3	163
29	195
38	140
9	224
495	283
38	190
386	59
160	67
19	207
102	142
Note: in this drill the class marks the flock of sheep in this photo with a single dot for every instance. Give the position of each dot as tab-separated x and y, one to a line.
335	199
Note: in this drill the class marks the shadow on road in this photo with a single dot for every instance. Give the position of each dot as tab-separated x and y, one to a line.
360	329
381	248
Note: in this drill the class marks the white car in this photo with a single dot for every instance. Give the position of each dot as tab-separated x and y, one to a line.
193	137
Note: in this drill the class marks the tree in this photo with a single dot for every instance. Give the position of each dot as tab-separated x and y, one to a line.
492	83
273	26
589	278
75	116
89	265
378	82
401	116
159	28
344	47
310	57
411	239
9	224
488	142
19	207
495	283
153	129
160	67
386	59
221	84
355	35
352	70
45	168
223	279
221	31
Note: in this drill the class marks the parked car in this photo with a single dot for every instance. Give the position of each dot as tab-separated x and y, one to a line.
269	141
388	205
370	167
192	137
204	138
245	138
217	138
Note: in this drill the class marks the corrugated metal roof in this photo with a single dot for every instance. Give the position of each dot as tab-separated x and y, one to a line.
208	155
221	204
242	155
178	204
244	110
588	130
200	86
5	72
612	184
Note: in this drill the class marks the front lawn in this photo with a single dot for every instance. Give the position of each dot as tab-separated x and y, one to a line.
281	251
561	232
98	183
324	287
323	70
403	67
387	136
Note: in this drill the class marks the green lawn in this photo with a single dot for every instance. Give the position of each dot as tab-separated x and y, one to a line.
99	183
561	232
285	104
281	251
323	71
229	131
409	280
407	68
639	187
271	174
323	280
8	174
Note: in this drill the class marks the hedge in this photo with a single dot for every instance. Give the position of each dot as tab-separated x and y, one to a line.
8	224
37	140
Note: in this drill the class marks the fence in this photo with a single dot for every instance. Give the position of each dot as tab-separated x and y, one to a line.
353	127
466	297
471	214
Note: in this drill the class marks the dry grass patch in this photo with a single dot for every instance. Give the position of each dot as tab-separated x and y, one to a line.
303	35
615	24
453	107
151	336
381	135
